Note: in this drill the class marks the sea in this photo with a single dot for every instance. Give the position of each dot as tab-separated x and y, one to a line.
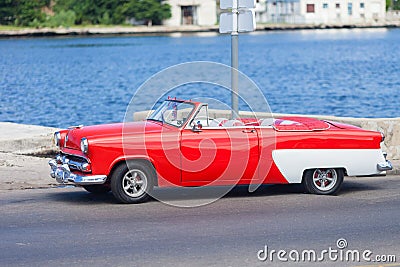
63	81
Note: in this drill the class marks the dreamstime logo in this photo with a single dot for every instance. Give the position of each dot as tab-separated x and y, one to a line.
341	243
340	253
207	157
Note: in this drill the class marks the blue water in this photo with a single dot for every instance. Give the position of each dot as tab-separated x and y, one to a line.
68	81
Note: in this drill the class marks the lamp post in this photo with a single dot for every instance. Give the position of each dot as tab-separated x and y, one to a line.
237	18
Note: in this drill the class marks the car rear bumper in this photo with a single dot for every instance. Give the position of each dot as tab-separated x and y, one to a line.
384	166
62	174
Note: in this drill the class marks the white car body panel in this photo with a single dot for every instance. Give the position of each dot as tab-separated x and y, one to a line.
357	162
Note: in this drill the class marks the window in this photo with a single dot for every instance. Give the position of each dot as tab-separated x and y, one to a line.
362	5
337	5
325	5
350	9
310	8
189	15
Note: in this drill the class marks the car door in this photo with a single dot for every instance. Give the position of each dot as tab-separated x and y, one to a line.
218	155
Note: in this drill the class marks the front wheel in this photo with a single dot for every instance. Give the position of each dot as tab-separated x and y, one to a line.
132	182
323	181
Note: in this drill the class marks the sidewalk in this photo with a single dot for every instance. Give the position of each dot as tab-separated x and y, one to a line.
24	172
396	168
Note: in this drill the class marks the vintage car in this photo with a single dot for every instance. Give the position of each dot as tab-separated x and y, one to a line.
180	145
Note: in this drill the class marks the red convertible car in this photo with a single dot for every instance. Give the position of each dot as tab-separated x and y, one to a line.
180	145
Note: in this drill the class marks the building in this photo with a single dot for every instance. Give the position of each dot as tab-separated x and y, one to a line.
192	12
279	11
328	12
343	11
393	16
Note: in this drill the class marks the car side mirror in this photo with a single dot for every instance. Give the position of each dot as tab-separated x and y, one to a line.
197	127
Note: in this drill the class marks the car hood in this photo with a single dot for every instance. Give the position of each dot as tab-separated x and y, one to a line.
106	131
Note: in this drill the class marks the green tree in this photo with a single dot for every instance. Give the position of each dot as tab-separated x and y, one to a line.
396	4
151	11
393	4
91	11
62	18
22	12
7	12
84	10
69	12
29	11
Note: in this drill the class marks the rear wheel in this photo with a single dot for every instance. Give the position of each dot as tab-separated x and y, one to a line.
132	182
323	181
98	189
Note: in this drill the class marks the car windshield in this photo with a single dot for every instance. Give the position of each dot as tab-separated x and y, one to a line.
172	112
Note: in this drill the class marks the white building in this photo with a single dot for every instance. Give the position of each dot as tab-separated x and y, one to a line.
192	12
336	12
343	11
278	11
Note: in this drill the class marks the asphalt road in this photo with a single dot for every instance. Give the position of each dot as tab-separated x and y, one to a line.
69	227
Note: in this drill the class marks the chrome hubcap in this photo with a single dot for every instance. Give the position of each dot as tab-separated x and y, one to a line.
324	179
134	183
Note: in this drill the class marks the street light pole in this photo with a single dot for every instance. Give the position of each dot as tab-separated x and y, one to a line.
235	78
232	21
235	62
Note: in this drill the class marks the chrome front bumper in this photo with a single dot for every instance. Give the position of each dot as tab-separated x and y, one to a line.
62	174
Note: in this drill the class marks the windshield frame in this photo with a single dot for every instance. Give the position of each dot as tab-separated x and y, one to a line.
158	114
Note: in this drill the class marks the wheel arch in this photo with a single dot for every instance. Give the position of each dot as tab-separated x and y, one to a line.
145	161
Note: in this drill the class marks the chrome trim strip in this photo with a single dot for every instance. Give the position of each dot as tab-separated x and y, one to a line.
73	164
62	174
74	155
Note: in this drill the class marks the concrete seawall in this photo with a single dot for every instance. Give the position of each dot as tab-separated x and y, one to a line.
26	139
184	29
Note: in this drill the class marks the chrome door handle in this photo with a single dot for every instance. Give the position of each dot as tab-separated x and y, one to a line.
248	131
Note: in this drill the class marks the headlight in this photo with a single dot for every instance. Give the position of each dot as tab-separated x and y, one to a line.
84	145
57	139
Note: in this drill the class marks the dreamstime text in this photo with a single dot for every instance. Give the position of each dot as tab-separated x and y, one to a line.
339	253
